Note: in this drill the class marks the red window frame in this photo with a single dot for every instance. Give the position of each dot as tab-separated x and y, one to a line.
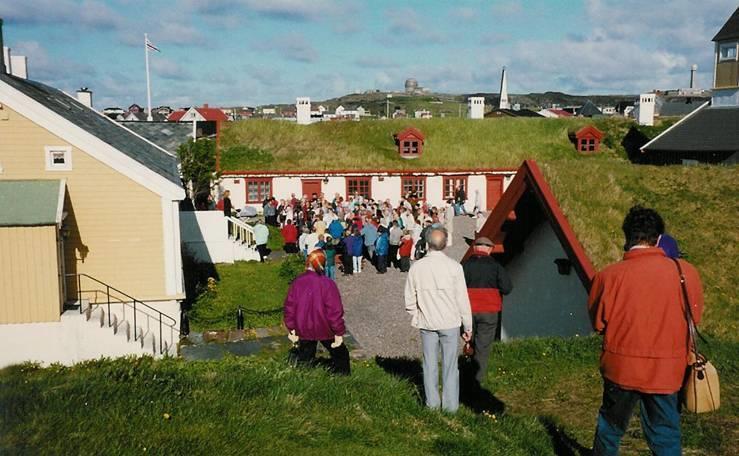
262	193
456	179
359	180
405	181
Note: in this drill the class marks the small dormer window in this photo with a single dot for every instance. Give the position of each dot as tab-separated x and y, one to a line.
58	158
727	52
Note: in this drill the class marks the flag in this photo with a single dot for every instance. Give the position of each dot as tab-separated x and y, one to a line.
151	46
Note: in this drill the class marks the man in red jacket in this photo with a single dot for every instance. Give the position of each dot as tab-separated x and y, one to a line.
290	237
487	282
637	305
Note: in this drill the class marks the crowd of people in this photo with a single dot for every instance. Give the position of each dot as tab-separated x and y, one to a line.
357	230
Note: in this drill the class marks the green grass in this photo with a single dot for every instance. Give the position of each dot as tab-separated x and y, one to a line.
258	288
450	143
550	387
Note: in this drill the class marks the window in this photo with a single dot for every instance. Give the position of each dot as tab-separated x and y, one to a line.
413	184
58	158
410	148
258	189
727	51
450	186
360	185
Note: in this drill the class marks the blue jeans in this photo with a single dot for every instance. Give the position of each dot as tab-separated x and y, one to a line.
331	272
660	420
449	341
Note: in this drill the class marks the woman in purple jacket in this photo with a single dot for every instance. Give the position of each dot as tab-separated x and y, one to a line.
314	313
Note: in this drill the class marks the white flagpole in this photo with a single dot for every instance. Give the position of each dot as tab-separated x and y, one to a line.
148	81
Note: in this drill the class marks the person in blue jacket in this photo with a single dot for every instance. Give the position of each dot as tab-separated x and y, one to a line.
382	245
335	229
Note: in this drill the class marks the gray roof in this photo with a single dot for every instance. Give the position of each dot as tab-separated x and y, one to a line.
730	30
708	130
98	125
16	194
678	106
588	110
167	135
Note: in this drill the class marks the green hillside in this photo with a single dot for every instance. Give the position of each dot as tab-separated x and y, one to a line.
700	204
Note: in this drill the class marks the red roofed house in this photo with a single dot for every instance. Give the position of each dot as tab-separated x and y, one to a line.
550	271
587	139
207	119
410	142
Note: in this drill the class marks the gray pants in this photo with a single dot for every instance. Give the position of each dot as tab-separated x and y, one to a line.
484	331
449	341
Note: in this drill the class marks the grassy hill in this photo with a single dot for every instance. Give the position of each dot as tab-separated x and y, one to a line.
549	390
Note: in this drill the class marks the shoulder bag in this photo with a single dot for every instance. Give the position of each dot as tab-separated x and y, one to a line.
700	392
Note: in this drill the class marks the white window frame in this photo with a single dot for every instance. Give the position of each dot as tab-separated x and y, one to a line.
48	157
723	46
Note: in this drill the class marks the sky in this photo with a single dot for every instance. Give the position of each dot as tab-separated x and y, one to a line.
253	52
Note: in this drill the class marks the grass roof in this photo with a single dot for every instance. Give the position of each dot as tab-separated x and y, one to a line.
266	145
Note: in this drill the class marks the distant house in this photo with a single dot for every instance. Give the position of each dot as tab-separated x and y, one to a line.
114	113
410	142
554	113
423	114
710	133
588	110
587	139
98	218
135	108
539	249
207	120
141	116
497	113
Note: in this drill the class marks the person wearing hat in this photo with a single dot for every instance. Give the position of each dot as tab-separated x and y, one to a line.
314	313
486	282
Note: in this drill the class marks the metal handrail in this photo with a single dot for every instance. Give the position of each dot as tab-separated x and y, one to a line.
133	302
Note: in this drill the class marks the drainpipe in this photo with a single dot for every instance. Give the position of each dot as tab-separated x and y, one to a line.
2	50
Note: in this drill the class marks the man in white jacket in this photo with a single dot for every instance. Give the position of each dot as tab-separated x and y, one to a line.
436	297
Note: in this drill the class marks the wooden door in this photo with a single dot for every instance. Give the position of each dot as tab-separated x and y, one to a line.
311	186
494	191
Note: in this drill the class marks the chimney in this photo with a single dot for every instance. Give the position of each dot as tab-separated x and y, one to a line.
693	69
205	105
84	96
19	66
4	52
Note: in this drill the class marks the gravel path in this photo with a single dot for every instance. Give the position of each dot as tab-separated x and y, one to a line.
375	309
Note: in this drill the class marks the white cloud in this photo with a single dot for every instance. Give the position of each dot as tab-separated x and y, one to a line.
291	46
79	14
408	27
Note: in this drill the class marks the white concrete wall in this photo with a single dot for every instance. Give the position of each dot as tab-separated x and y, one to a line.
74	338
543	302
204	234
435	191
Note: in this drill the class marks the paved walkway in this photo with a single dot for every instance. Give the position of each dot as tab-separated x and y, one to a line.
375	309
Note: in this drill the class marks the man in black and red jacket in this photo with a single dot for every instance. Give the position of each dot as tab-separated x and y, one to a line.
487	282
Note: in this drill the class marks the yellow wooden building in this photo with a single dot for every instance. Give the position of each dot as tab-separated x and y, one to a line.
118	219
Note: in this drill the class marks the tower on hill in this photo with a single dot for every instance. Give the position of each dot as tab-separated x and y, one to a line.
302	108
504	103
476	107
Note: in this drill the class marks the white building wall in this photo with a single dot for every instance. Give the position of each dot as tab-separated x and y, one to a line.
434	195
302	107
646	109
543	302
476	107
237	188
335	184
388	188
476	184
283	187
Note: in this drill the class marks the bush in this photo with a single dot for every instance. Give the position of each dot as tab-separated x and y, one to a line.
291	267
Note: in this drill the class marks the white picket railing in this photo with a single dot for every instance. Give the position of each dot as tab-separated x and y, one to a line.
241	232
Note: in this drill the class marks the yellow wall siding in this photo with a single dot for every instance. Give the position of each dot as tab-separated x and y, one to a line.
116	232
727	74
29	284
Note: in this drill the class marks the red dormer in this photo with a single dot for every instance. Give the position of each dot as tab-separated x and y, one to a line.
410	142
587	139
